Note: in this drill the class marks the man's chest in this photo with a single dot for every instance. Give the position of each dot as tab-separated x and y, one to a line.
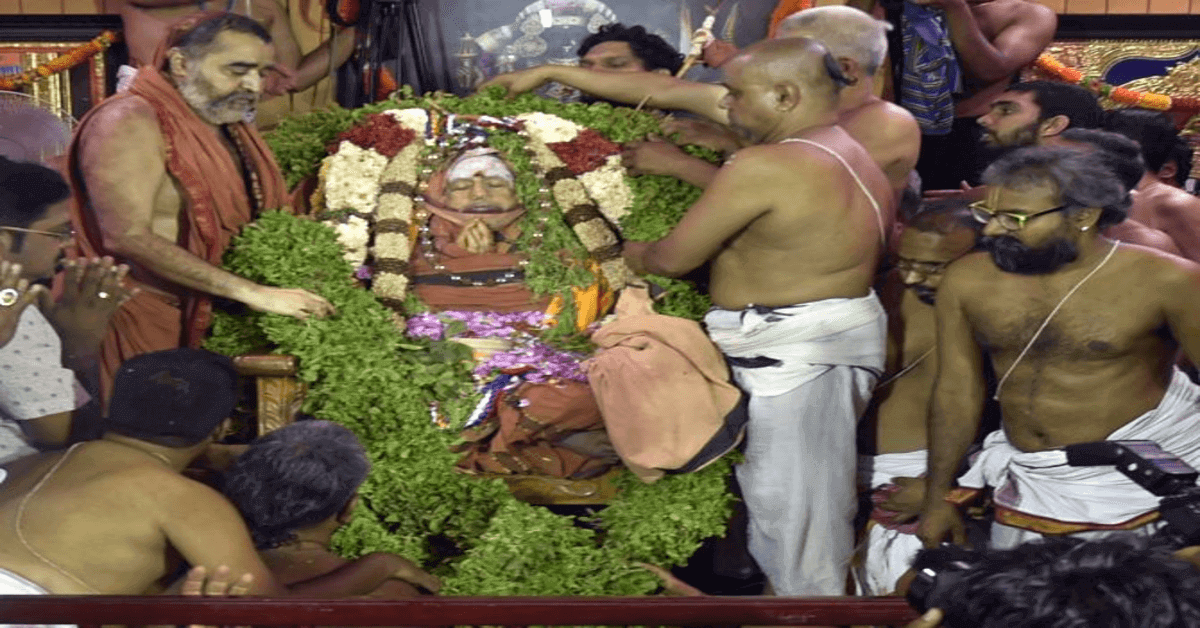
1099	323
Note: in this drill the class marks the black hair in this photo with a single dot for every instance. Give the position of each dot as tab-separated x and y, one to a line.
1154	131
1066	582
294	478
26	190
1081	177
1078	104
654	51
1120	154
196	41
173	398
944	216
1183	155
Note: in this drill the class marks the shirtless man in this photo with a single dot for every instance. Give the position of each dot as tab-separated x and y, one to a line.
941	233
993	40
889	133
115	516
1124	159
1156	204
295	487
145	24
167	173
793	255
1083	334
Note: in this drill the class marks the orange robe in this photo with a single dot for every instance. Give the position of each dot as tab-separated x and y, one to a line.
216	206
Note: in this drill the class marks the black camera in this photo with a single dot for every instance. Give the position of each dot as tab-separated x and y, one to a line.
1159	472
937	572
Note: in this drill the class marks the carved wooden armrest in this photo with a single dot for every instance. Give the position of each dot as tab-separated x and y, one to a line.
278	394
265	365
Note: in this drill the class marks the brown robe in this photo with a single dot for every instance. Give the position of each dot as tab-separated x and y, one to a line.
216	206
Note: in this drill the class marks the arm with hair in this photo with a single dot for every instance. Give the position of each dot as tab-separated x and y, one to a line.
1014	46
632	88
729	203
122	194
954	409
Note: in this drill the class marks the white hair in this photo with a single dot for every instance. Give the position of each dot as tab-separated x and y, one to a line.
846	31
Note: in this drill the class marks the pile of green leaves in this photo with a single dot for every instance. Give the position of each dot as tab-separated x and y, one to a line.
364	374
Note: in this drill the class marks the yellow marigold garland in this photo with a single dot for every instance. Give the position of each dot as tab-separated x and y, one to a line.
63	62
1120	95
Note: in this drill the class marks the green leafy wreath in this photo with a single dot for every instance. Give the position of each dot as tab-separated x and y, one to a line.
365	375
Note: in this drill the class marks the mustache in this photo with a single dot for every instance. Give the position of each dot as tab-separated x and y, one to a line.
925	294
1013	256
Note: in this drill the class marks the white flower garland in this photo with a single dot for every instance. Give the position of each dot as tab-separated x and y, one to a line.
368	184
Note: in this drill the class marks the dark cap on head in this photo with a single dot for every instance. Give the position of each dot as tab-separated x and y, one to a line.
174	398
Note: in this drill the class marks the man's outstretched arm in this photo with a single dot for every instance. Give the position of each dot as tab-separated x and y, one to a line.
122	194
954	411
1015	46
729	203
657	90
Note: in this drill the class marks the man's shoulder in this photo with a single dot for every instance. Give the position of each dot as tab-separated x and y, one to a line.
970	272
124	111
1174	199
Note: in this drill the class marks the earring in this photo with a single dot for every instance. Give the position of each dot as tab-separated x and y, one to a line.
1083	228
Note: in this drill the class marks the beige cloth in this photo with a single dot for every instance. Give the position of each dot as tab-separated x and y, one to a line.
662	386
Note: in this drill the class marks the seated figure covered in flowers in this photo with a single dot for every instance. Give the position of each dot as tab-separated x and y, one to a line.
452	236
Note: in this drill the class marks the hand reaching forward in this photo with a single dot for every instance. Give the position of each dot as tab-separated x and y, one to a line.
199	584
15	295
292	302
406	570
652	157
517	82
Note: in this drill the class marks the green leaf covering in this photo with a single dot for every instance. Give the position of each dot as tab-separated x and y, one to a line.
365	374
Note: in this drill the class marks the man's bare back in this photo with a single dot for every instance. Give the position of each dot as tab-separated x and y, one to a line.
112	519
817	236
1103	360
889	134
1170	210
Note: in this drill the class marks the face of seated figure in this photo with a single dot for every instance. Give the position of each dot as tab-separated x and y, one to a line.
480	185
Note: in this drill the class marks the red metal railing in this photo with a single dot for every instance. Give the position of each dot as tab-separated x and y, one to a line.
442	611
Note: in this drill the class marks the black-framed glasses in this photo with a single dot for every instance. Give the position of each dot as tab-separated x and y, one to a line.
923	268
1011	221
61	235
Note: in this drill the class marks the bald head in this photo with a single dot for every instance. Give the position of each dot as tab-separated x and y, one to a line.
800	60
847	32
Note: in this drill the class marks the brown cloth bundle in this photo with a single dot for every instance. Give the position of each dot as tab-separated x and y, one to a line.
216	206
664	391
526	434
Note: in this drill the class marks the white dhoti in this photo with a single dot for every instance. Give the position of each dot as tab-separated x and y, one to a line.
809	371
1038	494
888	552
13	584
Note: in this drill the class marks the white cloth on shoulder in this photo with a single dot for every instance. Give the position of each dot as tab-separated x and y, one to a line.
1041	484
888	553
13	584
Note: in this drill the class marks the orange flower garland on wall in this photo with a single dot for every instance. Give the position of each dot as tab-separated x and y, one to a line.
1119	95
61	63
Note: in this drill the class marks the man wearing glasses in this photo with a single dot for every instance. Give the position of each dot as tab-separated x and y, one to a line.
1082	332
893	444
43	347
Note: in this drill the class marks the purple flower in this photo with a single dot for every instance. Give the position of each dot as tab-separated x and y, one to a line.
364	272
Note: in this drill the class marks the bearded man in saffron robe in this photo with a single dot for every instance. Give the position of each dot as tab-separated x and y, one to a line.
166	174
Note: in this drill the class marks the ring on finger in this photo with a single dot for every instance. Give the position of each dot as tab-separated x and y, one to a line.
8	296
